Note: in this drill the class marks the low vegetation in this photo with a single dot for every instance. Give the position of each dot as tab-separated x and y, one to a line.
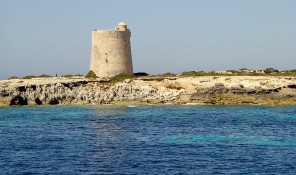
29	77
71	75
200	73
168	74
39	76
47	76
121	77
91	75
13	77
141	74
44	76
241	72
270	70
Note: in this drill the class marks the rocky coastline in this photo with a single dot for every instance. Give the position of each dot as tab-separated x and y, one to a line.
203	90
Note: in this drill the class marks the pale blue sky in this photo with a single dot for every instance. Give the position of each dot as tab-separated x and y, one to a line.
54	36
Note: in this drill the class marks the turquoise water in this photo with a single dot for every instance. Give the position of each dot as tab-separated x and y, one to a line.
148	140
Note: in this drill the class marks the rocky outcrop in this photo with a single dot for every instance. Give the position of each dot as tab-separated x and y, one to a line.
191	90
84	92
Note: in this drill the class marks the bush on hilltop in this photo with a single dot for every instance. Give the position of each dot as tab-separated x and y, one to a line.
168	74
29	77
91	74
44	76
270	70
140	74
13	77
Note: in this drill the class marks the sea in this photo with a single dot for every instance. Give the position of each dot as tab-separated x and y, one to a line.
162	139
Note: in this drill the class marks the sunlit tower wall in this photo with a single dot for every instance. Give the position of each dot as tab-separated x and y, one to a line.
111	51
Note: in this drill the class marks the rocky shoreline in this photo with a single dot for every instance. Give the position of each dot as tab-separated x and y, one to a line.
204	90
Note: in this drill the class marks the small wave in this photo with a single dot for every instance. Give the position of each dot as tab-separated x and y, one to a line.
191	104
131	106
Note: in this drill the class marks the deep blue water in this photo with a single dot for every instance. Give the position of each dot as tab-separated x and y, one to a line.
148	140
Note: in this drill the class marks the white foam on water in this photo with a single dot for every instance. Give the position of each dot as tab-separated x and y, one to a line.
131	106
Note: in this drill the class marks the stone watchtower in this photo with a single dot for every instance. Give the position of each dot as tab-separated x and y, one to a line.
111	51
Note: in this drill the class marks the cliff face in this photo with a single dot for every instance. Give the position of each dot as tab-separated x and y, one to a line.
199	90
81	92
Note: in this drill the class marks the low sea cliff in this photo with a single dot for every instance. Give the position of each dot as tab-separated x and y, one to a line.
208	90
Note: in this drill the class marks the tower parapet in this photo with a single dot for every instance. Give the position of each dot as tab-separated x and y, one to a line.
121	26
111	51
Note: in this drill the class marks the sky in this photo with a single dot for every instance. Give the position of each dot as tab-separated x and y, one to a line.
54	36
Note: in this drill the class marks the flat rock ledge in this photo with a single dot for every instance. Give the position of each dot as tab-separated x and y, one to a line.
207	90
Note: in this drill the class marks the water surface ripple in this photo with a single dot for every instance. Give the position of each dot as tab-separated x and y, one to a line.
148	140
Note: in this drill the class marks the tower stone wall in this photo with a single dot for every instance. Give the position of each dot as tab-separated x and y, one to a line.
111	51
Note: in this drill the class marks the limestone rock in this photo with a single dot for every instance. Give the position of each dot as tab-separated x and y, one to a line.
201	90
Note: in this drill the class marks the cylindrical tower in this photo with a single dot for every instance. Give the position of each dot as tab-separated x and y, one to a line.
111	51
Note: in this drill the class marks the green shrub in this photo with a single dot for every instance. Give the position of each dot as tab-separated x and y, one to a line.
190	73
91	74
29	77
270	70
254	73
44	76
199	73
168	74
141	74
13	77
212	73
121	77
233	71
71	75
40	76
68	76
